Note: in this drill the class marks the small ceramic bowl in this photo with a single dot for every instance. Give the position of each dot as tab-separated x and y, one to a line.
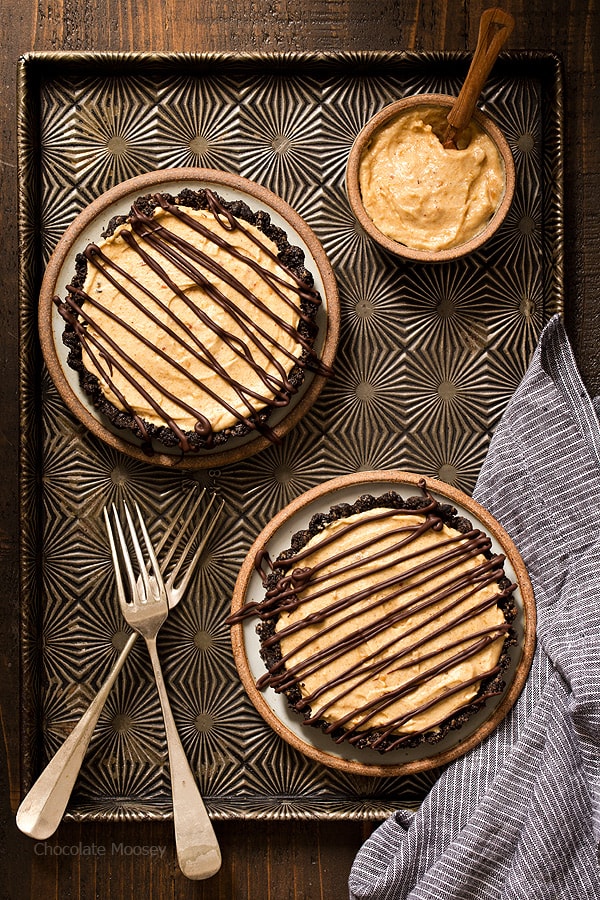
363	142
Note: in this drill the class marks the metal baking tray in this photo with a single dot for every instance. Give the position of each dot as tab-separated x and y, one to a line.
428	359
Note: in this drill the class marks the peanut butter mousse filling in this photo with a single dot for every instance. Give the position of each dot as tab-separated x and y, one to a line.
188	322
422	194
389	626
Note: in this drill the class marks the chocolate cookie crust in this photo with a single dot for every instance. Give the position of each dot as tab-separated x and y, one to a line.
279	596
228	216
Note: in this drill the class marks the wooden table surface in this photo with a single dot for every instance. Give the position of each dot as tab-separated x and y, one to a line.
262	860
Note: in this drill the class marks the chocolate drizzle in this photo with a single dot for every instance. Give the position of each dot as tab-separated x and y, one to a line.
160	250
423	644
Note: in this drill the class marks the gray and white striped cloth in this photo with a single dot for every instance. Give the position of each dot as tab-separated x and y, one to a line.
519	816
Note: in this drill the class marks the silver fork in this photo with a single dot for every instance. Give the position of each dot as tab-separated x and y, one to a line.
41	811
197	848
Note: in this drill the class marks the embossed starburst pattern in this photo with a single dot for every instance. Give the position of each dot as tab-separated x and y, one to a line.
428	359
196	118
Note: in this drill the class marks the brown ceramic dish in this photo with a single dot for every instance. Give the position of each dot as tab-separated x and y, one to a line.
88	227
276	537
363	141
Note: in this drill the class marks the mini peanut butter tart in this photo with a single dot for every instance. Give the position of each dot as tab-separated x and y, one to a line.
387	622
191	320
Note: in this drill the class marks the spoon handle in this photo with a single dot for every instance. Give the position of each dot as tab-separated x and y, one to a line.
41	811
495	27
198	852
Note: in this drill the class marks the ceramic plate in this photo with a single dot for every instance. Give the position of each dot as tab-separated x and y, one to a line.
273	707
90	224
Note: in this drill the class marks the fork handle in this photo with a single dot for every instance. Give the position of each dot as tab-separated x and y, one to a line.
42	809
198	852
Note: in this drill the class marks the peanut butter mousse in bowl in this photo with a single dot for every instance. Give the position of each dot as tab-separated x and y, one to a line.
422	200
189	317
383	623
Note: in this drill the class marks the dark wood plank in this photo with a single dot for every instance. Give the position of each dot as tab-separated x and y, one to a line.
262	861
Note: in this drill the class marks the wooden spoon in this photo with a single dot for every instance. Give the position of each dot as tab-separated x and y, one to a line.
495	27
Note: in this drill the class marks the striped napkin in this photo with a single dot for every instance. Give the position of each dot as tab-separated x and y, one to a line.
519	816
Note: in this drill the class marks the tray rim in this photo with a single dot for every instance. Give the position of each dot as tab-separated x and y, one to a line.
30	66
278	57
